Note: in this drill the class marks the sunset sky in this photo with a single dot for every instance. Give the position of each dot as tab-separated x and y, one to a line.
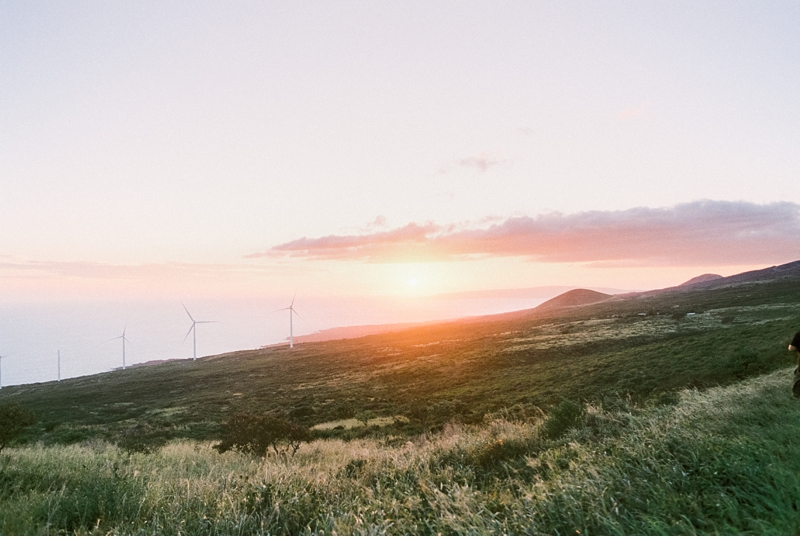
180	150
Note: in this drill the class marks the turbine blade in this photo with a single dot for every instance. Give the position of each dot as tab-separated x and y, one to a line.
294	296
187	312
206	322
190	330
298	314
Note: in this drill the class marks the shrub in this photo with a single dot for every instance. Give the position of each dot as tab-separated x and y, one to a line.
566	415
143	438
257	433
13	420
364	416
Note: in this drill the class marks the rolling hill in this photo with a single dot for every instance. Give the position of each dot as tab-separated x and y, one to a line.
643	346
573	298
661	413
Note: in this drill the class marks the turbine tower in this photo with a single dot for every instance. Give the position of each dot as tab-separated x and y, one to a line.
124	338
291	310
193	330
1	370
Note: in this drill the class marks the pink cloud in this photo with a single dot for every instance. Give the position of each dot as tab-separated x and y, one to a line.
703	232
481	162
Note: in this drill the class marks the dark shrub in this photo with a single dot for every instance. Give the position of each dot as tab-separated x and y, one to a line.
13	420
257	433
143	438
566	415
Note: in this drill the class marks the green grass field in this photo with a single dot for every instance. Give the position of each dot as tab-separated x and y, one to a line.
718	461
681	423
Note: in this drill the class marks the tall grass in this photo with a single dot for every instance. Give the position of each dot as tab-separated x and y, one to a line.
719	461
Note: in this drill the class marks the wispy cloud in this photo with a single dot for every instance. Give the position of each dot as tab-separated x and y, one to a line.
633	112
702	232
481	162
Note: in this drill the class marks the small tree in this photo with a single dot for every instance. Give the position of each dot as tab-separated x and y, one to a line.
257	433
13	419
566	415
364	416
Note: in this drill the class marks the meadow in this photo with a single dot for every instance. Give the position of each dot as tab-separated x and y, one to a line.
668	413
717	461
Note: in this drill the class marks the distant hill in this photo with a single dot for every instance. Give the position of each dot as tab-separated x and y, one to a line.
784	271
537	292
773	273
353	332
466	368
701	279
573	298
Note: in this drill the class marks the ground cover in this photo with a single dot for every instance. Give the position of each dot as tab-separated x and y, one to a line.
642	348
717	461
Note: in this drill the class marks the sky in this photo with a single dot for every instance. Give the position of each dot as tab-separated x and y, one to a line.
370	154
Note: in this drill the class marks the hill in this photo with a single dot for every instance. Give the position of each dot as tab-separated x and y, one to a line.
623	416
573	298
700	279
431	374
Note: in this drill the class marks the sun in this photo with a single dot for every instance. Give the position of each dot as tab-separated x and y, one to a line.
412	282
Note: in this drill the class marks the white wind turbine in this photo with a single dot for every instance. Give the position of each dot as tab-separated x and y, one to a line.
124	338
193	330
1	370
291	310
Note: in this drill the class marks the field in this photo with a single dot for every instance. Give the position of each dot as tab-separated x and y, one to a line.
663	413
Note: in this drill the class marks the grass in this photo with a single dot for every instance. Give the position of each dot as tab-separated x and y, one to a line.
591	420
719	461
435	373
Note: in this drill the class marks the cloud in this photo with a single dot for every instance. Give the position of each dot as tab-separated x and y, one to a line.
633	112
696	233
480	162
39	269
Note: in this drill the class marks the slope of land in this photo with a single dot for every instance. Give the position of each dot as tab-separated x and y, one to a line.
723	461
573	298
700	279
665	413
431	374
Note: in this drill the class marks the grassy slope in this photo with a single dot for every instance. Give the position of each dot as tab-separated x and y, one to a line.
463	369
718	461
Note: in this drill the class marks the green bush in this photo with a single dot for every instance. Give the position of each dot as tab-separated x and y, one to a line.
257	433
566	415
13	420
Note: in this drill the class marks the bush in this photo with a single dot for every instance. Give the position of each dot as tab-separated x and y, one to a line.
13	420
566	415
257	433
143	438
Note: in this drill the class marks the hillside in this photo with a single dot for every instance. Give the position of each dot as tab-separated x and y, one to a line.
622	417
573	298
700	279
642	346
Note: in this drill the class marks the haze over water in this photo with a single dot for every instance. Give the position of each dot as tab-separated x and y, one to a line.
32	334
153	153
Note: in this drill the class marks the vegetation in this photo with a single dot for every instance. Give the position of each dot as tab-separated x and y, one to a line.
668	413
256	433
718	461
13	420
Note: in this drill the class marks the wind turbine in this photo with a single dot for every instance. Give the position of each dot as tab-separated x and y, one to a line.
1	370
124	338
291	310
193	330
